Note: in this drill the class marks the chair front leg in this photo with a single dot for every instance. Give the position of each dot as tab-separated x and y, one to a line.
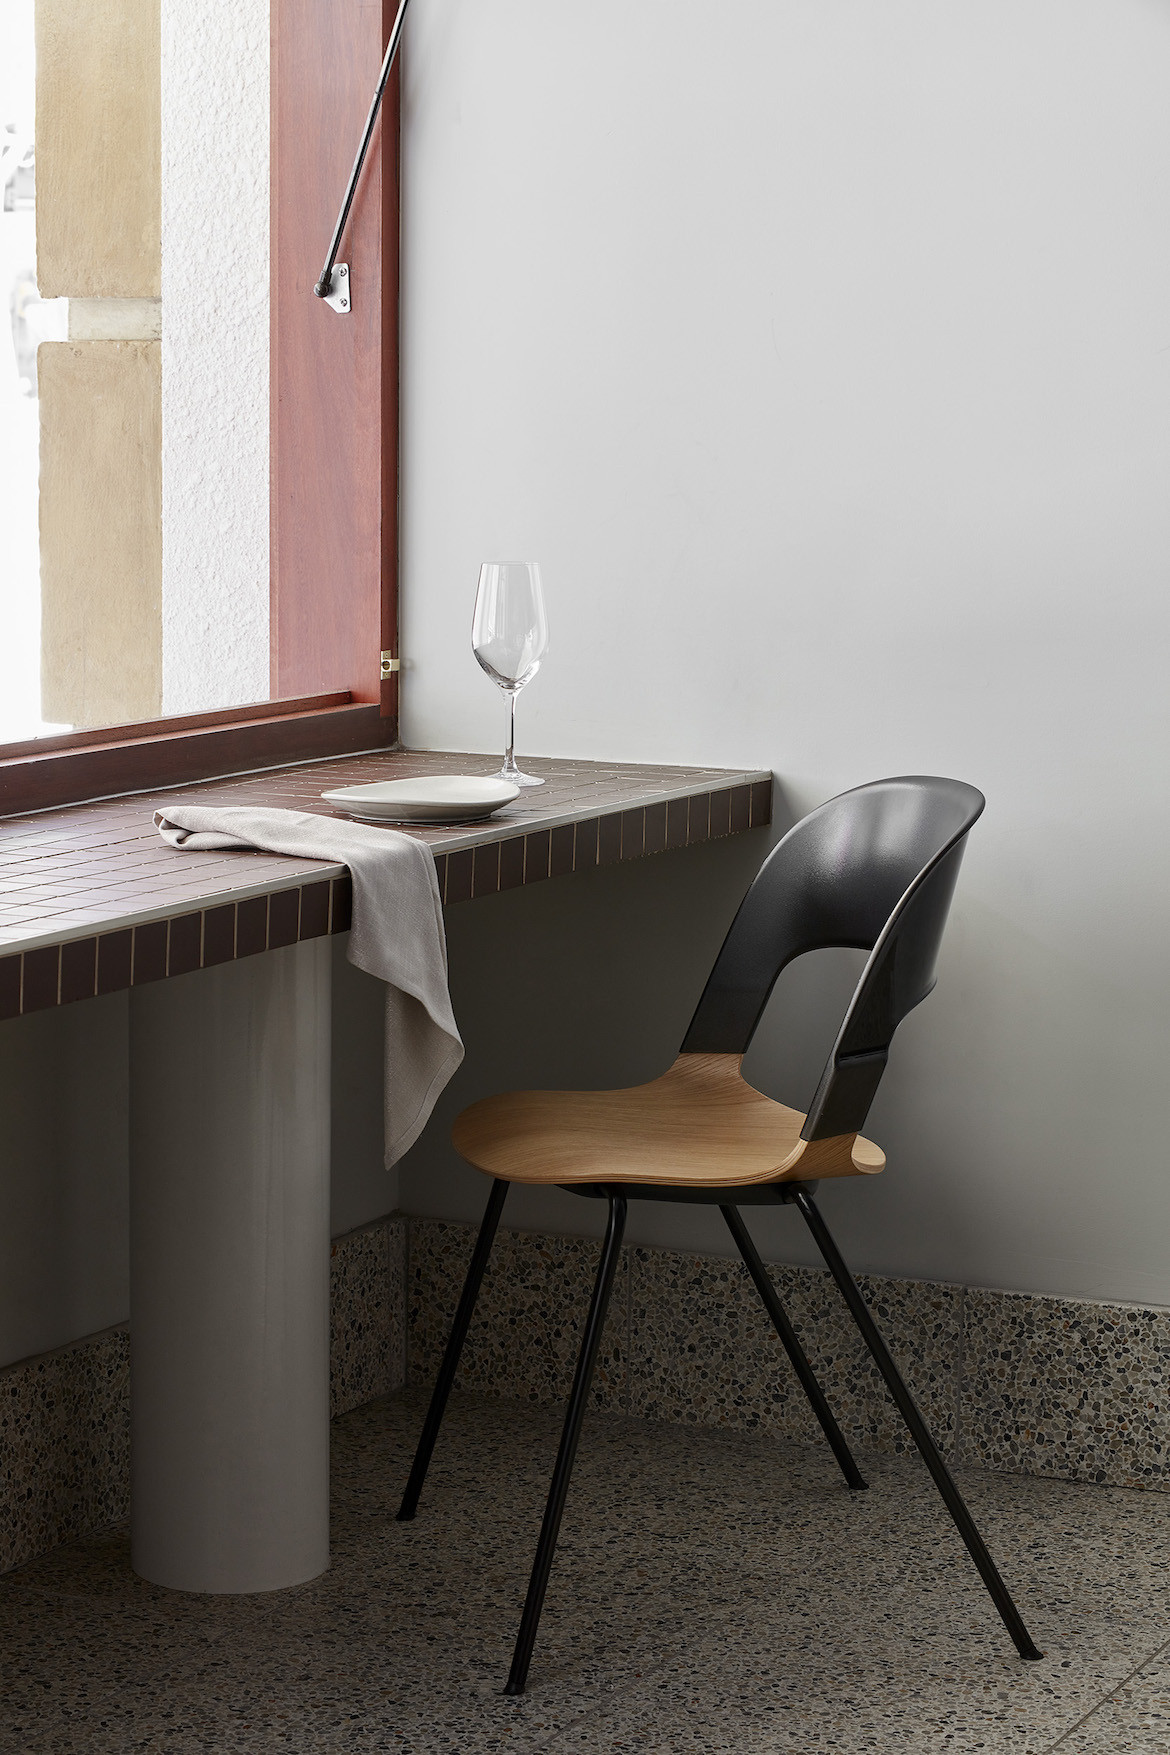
793	1348
455	1340
931	1455
574	1415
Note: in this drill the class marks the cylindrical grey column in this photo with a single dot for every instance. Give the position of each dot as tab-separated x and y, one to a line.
229	1273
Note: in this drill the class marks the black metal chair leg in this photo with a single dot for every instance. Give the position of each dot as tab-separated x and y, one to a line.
454	1347
574	1415
793	1348
919	1431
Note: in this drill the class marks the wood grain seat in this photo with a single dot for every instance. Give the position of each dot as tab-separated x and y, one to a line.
700	1125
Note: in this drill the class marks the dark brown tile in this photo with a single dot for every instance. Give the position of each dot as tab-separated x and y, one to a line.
698	818
536	856
113	961
284	918
9	987
315	910
150	952
341	904
512	863
485	874
42	973
440	874
560	858
609	840
655	833
633	833
720	806
251	926
761	802
741	808
219	935
676	822
78	970
185	944
458	876
585	844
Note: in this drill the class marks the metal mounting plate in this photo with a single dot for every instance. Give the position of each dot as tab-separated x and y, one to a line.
339	298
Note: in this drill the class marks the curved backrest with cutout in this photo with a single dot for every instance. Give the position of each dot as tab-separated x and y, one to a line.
873	869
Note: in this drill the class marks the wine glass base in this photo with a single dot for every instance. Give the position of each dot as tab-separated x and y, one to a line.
518	777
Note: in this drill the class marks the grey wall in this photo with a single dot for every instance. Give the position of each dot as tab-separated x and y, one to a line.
64	1116
64	1181
820	352
823	358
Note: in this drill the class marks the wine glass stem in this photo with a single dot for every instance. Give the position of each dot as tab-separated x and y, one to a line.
510	758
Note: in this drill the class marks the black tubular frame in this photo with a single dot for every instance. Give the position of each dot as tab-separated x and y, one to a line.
874	869
566	1454
792	1346
919	1431
454	1347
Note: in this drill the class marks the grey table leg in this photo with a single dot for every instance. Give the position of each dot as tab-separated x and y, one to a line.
229	1273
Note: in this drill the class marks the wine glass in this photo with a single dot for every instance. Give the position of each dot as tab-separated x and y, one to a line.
509	636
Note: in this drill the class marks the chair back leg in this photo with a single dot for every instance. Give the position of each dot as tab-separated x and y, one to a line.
919	1431
792	1347
574	1416
454	1347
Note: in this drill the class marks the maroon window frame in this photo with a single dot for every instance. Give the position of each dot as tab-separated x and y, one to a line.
334	448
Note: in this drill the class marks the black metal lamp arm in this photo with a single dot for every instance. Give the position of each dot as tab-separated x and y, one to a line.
325	285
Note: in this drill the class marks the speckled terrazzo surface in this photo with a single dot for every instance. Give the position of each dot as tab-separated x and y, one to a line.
714	1591
64	1445
367	1340
1016	1381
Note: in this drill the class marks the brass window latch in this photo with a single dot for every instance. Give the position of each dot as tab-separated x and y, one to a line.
390	664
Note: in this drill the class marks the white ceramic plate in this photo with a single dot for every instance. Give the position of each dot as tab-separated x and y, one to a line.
435	798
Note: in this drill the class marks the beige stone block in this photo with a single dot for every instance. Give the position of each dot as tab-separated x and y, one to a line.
101	531
115	319
98	148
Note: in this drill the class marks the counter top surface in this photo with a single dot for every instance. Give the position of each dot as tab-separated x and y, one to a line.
93	900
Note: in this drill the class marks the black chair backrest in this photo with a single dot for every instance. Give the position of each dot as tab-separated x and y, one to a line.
873	869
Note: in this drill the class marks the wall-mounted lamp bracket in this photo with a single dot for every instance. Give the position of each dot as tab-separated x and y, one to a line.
341	297
327	285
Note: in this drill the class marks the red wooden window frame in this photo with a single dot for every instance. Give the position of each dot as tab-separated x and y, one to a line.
335	378
334	448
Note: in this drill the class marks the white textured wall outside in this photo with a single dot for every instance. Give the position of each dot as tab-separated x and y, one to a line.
215	97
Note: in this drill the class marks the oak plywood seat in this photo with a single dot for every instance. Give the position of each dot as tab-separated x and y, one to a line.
699	1126
873	870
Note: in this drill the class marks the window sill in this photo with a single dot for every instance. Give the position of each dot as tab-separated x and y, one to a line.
81	766
92	901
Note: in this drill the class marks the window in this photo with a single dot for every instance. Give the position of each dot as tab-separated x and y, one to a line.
131	632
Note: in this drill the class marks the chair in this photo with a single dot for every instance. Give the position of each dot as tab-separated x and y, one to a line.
874	869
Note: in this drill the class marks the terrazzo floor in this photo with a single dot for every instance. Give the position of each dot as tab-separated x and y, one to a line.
713	1592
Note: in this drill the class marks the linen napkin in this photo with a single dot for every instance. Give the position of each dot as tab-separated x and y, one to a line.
397	935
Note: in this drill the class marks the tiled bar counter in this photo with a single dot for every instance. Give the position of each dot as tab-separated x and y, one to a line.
225	959
92	901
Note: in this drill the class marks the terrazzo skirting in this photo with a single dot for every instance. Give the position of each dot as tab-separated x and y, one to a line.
65	1416
1013	1381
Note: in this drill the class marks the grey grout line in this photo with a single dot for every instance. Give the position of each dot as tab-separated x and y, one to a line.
1106	1698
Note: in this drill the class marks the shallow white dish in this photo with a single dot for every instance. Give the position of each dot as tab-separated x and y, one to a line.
433	798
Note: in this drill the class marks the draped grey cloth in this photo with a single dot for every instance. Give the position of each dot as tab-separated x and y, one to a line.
397	935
